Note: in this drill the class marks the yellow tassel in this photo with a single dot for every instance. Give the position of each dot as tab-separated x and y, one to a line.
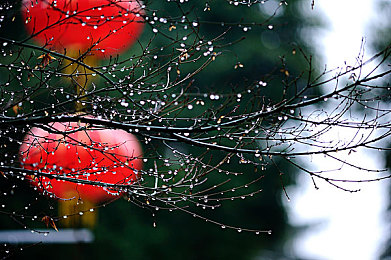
80	76
76	213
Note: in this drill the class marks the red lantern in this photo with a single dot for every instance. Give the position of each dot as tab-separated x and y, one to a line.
113	25
101	155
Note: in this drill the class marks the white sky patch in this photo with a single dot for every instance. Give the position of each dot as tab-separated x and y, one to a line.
347	20
344	225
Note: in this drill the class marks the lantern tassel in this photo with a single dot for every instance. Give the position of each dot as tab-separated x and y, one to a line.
77	213
79	75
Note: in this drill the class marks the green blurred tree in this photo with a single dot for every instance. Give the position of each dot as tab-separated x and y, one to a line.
379	41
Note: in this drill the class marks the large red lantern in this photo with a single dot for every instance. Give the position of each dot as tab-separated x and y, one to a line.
108	26
75	151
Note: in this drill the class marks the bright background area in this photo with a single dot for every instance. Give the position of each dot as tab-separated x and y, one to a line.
343	225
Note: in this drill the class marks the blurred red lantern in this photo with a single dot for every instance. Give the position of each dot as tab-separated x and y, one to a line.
101	155
113	25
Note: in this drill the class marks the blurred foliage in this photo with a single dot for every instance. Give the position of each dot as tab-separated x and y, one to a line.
381	38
